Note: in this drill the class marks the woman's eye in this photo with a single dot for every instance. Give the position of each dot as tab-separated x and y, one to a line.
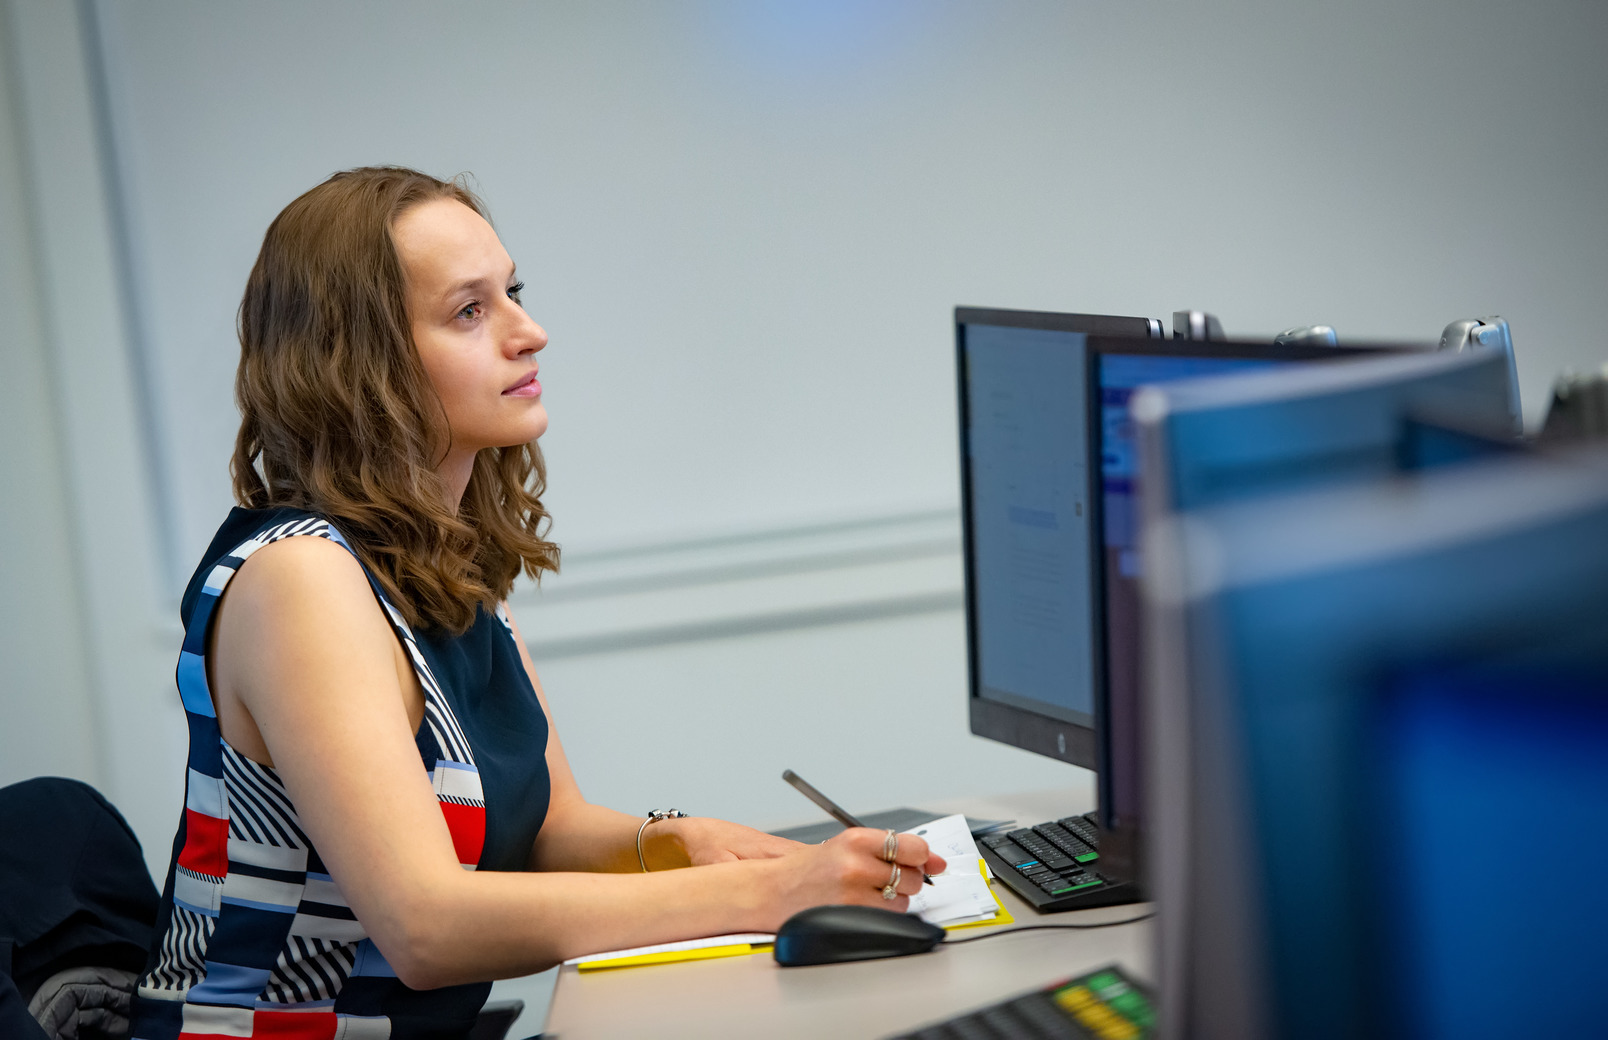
470	311
514	291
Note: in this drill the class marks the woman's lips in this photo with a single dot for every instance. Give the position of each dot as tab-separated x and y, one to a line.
529	388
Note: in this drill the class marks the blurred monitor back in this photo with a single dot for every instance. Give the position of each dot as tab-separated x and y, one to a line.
1278	431
1388	815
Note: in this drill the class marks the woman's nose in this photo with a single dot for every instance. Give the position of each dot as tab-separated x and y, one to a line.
527	337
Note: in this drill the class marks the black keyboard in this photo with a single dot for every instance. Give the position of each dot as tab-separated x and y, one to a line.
1102	1005
1055	865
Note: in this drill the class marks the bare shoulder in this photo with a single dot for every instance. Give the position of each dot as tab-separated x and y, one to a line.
307	572
306	596
298	624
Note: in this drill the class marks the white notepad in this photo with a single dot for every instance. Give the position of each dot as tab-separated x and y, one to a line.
960	894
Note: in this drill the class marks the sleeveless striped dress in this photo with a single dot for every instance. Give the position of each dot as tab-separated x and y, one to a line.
256	938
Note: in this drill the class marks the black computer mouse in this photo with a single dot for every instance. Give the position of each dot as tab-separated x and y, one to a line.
829	934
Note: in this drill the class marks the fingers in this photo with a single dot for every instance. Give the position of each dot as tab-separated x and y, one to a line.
864	872
912	851
906	883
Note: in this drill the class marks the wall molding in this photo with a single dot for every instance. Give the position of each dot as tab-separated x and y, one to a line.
744	583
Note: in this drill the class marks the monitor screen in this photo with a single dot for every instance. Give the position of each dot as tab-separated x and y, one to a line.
1119	376
1030	522
1456	748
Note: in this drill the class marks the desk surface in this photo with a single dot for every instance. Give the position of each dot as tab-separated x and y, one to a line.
752	996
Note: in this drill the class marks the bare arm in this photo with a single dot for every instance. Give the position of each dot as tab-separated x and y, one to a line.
304	662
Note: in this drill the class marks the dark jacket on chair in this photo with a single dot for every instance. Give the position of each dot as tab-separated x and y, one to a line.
74	894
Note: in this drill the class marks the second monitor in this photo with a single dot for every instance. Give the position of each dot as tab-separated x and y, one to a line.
1049	472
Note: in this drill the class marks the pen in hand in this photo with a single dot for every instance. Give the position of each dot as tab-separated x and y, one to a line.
833	809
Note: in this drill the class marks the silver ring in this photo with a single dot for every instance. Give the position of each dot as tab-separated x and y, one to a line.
891	889
890	847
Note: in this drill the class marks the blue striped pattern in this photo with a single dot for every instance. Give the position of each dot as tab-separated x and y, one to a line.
260	940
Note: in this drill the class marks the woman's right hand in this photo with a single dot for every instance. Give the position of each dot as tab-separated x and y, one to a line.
849	868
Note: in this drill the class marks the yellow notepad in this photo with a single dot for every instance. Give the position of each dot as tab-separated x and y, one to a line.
735	945
1003	917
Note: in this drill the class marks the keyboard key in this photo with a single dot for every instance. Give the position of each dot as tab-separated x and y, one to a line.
1036	845
972	1028
1054	833
1013	855
1068	886
1085	831
1068	1010
1004	1022
1062	842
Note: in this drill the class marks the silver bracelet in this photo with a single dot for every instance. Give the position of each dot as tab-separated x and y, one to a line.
654	816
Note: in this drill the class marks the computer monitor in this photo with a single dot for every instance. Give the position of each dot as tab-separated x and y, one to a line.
1224	439
1391	818
1028	525
1047	478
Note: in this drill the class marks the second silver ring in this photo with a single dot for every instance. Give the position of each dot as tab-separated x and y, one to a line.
890	846
891	889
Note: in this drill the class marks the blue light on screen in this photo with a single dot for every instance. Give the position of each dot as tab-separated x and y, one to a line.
1120	376
1494	797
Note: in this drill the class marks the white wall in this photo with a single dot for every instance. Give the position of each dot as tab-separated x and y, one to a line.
87	672
47	719
745	226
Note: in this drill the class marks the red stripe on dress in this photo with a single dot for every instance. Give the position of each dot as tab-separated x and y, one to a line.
467	823
294	1025
206	844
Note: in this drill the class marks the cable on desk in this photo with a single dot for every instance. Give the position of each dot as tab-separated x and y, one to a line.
1049	927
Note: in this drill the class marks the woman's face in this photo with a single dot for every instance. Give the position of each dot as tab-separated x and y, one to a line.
476	341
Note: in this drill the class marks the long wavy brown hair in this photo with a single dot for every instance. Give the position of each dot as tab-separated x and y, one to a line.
338	415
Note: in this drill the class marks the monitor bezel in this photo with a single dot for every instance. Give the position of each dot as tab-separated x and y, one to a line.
1017	726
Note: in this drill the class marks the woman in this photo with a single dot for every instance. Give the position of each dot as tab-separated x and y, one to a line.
345	628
